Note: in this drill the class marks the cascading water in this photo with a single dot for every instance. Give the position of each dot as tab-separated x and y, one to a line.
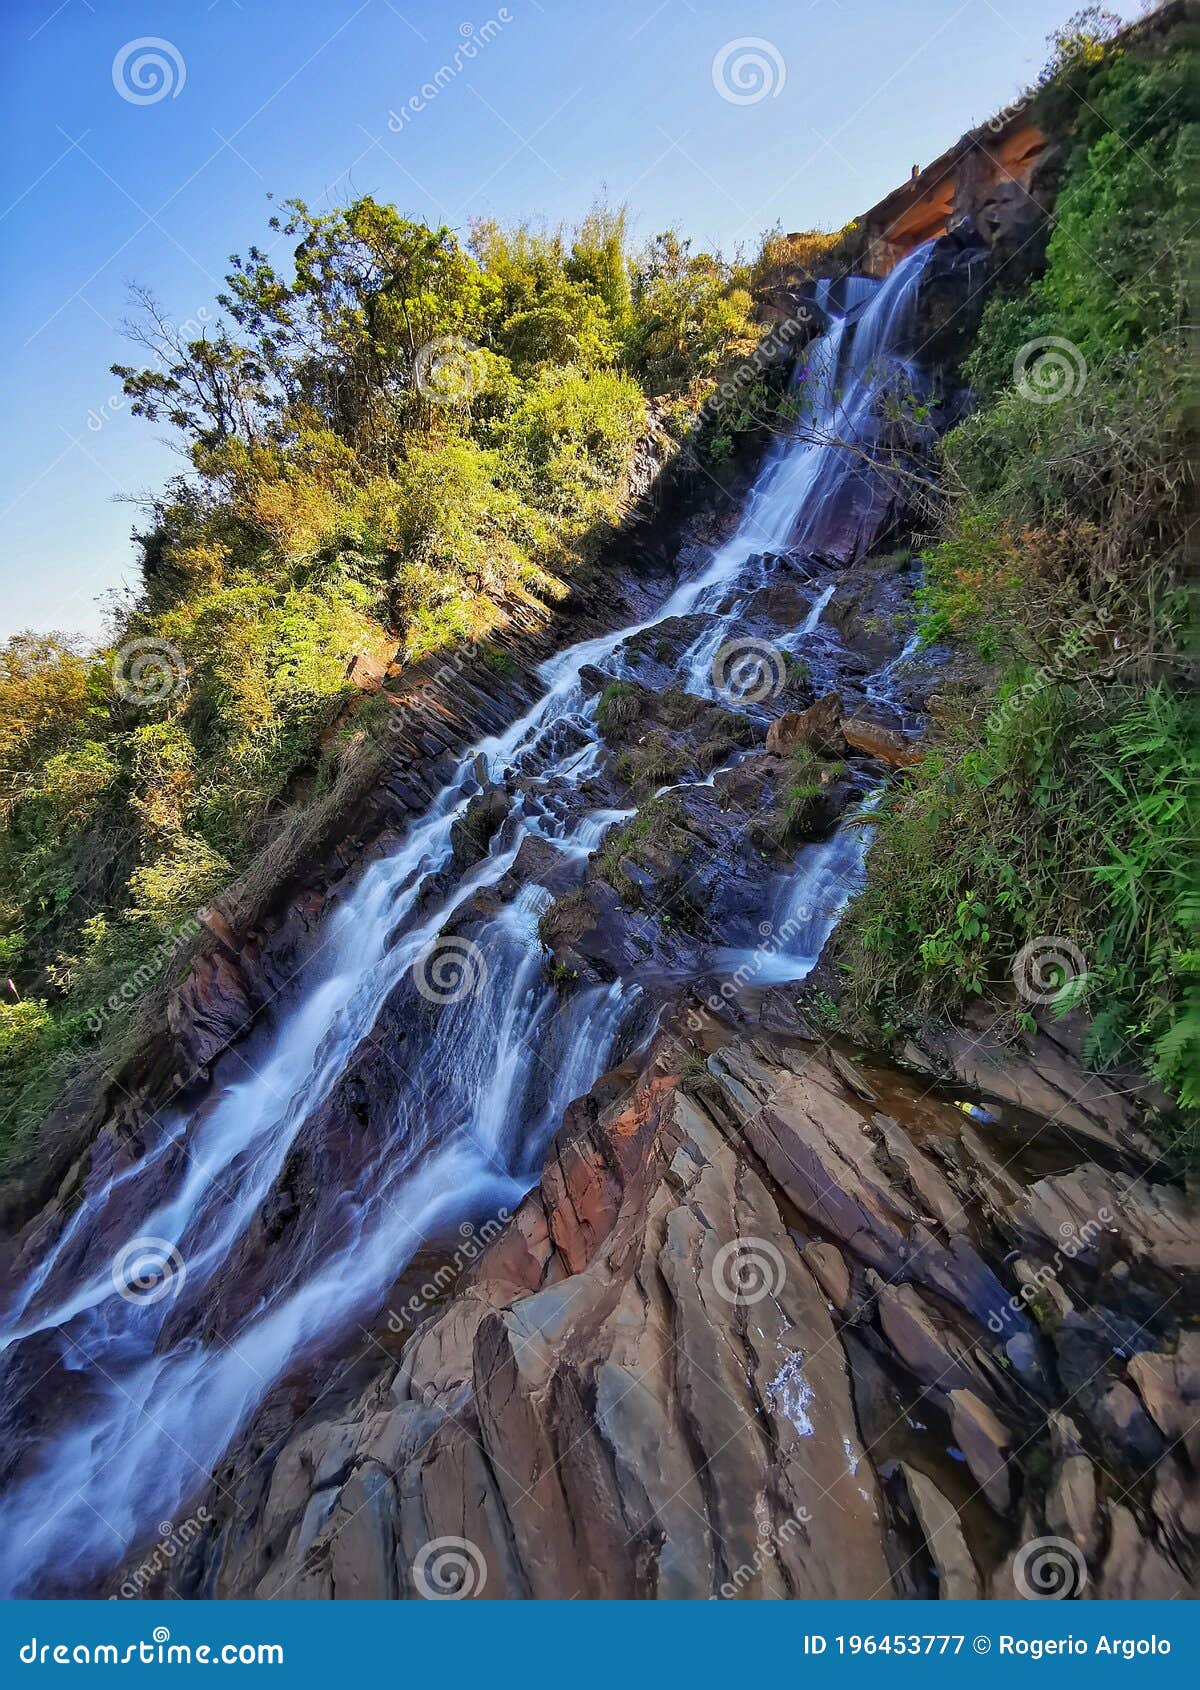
150	1391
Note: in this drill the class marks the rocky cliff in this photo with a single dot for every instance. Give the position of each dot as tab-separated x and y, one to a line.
756	1312
783	1326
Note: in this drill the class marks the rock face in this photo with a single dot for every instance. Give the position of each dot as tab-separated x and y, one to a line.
776	1320
676	1374
828	730
886	745
819	726
993	176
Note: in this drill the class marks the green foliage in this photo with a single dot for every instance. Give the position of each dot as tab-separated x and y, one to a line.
344	508
570	436
1066	805
690	315
656	833
1061	823
654	761
618	707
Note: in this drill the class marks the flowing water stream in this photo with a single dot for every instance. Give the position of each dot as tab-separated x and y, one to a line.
145	1405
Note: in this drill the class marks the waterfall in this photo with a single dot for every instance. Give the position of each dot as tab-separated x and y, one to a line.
149	1404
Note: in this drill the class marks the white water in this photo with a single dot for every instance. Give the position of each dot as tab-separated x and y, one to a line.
154	1414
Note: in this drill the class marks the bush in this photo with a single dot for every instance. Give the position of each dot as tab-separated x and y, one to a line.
1065	804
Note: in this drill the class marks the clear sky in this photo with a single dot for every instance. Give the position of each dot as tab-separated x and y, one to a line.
564	100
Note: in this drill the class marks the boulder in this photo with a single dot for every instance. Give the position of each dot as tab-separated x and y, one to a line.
984	1440
1072	1504
828	1267
886	745
485	816
1169	1385
958	1578
1129	1431
819	726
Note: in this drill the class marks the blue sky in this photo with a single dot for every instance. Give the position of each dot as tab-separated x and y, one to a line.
565	100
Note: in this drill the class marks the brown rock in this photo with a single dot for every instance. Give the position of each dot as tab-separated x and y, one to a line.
1170	1388
831	1273
958	1578
1177	1508
885	744
983	1439
922	1341
211	1007
819	726
1129	1430
1072	1505
1134	1568
367	671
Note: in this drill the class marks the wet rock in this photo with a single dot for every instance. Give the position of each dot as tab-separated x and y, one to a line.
1177	1510
984	1440
958	1577
1169	1386
212	1007
592	680
922	1341
1072	1505
1135	1569
473	833
886	745
1124	1424
649	1346
828	1266
819	726
1042	1074
1093	1209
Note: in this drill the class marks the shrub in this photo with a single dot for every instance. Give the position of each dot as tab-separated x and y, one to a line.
1065	804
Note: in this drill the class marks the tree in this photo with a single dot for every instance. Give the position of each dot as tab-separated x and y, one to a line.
210	389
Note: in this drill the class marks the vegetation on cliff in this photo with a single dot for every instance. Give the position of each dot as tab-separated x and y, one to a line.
1060	811
385	442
